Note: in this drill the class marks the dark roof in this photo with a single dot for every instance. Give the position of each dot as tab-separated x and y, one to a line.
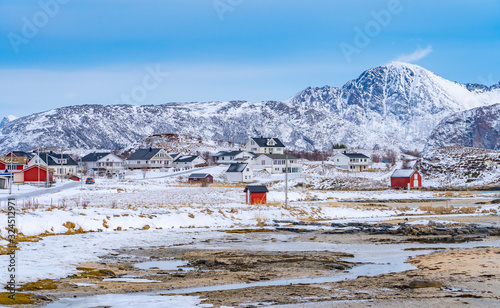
48	159
198	175
94	156
22	154
355	155
232	153
226	153
403	173
256	189
174	155
144	154
236	167
262	142
279	156
186	159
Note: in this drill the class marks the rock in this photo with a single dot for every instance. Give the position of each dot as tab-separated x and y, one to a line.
417	284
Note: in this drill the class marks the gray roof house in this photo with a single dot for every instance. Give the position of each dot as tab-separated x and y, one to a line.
351	161
265	146
149	158
239	172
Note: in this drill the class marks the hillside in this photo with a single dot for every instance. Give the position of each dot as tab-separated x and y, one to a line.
392	106
478	127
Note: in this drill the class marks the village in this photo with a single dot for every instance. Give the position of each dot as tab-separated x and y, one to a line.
43	168
221	224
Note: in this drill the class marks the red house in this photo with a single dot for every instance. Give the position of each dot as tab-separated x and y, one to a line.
404	178
17	163
33	174
256	194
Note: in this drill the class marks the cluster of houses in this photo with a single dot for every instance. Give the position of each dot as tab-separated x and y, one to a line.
258	154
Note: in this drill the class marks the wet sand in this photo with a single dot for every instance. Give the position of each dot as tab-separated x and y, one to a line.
442	277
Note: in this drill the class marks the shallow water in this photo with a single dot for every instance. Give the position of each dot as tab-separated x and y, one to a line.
166	265
375	259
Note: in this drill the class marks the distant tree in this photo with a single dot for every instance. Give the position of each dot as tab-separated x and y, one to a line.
390	157
376	158
338	146
415	153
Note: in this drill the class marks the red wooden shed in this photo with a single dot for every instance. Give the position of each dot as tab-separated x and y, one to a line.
36	174
404	178
256	194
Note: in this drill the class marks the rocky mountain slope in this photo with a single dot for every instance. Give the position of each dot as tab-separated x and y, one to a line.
478	127
394	106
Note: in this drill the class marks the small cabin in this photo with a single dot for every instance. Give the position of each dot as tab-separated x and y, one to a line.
406	178
256	194
200	178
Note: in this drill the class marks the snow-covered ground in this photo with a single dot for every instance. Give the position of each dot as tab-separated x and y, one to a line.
162	205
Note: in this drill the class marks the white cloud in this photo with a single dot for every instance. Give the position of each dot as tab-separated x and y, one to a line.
418	54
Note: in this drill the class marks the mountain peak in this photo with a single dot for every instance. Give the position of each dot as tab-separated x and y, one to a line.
6	120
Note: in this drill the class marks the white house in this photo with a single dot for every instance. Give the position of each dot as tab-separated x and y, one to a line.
277	163
189	161
61	164
230	157
239	172
149	158
102	162
351	161
265	146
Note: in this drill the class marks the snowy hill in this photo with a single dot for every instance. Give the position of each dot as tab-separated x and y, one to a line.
478	127
460	167
394	106
175	143
6	120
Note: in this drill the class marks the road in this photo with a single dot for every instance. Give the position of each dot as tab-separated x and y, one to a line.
195	170
37	193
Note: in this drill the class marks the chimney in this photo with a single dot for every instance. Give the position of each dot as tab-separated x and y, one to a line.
150	149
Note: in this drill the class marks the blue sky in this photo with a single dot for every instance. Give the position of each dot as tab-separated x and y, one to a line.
56	53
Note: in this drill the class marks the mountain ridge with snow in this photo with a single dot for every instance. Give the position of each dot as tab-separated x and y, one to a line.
392	106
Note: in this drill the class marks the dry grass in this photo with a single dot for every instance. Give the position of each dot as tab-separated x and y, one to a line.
19	299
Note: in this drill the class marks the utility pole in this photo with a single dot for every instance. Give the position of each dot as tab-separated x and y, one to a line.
61	164
11	174
37	162
286	181
81	174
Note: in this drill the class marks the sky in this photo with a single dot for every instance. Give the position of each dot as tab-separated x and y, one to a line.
56	53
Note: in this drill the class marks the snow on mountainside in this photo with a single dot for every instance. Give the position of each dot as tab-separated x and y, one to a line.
6	120
456	166
395	106
400	103
175	143
478	127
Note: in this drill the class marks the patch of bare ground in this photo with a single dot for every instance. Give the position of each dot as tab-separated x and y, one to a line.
443	279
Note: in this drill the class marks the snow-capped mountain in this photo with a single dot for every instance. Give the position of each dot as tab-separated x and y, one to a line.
396	105
478	127
6	120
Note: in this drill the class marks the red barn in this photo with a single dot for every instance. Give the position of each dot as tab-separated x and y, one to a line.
34	174
256	194
404	178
